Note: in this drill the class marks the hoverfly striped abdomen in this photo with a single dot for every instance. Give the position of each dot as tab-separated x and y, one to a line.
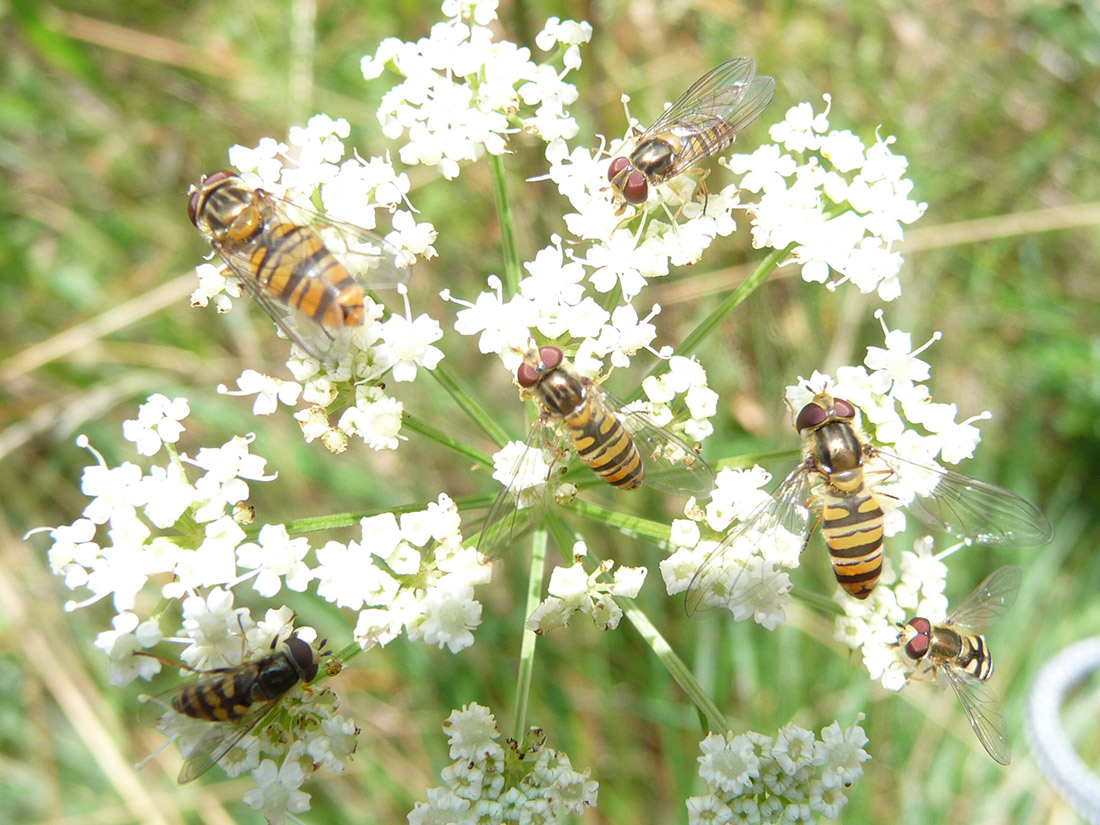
310	273
956	648
227	694
852	520
598	436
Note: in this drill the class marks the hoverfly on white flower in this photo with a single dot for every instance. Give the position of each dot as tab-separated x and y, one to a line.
845	482
625	448
310	273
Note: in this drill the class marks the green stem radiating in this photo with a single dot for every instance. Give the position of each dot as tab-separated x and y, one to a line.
631	525
470	405
675	666
731	302
507	226
444	440
530	639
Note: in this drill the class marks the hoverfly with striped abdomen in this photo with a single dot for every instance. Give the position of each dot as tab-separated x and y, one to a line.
308	272
702	122
626	449
957	648
837	483
234	699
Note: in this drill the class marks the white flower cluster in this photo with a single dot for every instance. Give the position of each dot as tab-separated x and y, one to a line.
552	302
793	778
413	574
573	591
747	577
306	735
871	625
891	398
837	204
392	347
465	91
491	785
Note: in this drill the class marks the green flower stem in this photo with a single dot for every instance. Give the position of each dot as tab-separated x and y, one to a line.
674	665
820	603
631	525
507	226
471	406
742	462
527	648
731	302
441	438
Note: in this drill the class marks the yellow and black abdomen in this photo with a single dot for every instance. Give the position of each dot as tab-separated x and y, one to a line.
852	525
294	266
598	435
851	517
603	443
223	696
962	651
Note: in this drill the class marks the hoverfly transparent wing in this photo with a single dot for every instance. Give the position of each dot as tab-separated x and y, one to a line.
314	339
786	516
968	509
220	740
513	515
671	464
721	103
990	600
984	712
371	259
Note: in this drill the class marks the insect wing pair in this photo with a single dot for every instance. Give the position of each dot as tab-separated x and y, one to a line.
218	709
702	122
310	273
608	438
971	511
968	670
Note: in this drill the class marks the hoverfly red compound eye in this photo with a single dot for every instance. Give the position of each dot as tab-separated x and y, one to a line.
918	646
616	167
530	374
843	409
193	206
551	357
636	189
527	376
812	415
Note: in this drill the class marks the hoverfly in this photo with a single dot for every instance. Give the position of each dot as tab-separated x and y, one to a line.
704	121
625	449
833	479
234	699
310	274
957	648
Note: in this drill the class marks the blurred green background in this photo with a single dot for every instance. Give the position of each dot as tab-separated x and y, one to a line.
108	112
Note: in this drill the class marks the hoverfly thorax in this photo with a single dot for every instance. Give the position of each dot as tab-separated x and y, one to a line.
560	391
825	425
223	208
703	121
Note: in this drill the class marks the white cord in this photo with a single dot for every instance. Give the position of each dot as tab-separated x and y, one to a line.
1078	785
